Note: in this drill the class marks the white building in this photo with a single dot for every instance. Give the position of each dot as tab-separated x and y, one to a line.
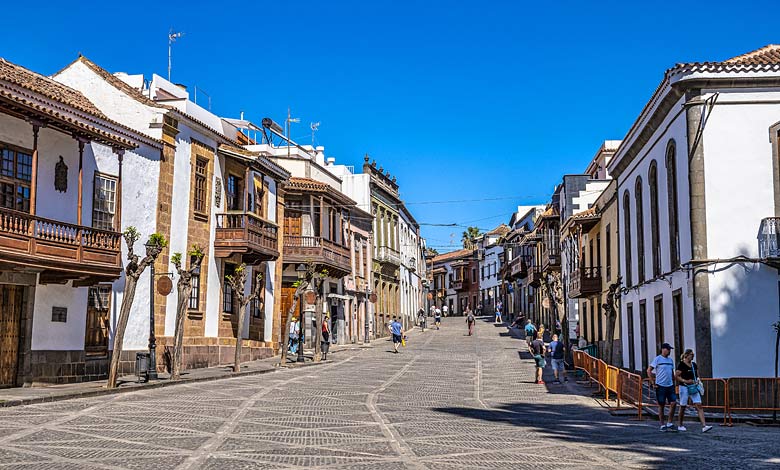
489	254
697	173
412	271
202	188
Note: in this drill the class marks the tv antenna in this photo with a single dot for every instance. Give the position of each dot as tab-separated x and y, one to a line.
315	126
289	121
172	37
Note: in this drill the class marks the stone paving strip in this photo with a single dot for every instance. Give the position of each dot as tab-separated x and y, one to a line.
447	401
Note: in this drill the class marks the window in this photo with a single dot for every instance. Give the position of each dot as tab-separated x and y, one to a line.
200	197
227	297
98	307
15	178
677	319
473	274
233	192
631	346
608	263
584	320
601	319
658	307
260	192
593	314
643	334
597	262
194	301
104	202
640	232
674	225
655	247
627	235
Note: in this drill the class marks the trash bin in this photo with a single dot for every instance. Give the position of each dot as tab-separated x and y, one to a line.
142	366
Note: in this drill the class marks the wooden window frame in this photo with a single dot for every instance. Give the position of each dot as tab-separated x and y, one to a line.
640	230
631	336
655	229
678	321
92	351
200	192
672	200
193	303
627	236
18	183
95	211
643	335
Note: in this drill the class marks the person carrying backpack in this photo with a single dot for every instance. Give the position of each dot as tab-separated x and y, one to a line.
470	320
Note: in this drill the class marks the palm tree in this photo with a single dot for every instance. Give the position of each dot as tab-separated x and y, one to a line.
469	237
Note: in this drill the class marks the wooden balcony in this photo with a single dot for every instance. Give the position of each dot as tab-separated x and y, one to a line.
457	285
388	255
59	251
551	261
585	282
245	234
518	268
318	250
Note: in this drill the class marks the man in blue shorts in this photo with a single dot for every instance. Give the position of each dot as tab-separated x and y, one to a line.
397	330
662	369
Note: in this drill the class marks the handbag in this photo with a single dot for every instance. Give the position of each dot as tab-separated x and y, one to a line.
697	383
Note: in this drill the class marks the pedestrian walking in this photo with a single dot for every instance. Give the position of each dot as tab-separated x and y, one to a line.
498	313
662	370
557	354
295	331
470	320
397	330
530	332
437	318
537	350
421	319
445	310
325	343
687	375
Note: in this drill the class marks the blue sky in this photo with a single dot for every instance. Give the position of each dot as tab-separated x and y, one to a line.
460	100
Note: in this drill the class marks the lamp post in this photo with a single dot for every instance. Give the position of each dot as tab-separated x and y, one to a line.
151	372
366	338
301	271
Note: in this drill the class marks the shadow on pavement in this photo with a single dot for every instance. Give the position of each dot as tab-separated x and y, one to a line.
624	442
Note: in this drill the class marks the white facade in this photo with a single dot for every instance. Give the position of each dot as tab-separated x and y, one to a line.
735	298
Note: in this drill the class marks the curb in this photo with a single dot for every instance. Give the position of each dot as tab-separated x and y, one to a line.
156	385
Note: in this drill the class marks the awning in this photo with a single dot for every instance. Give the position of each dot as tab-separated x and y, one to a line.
341	297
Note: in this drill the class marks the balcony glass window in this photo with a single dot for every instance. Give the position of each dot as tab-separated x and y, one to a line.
233	192
194	300
104	202
15	176
227	297
674	224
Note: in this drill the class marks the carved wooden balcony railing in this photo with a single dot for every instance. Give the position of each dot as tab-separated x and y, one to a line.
535	275
585	282
64	251
457	285
245	234
334	257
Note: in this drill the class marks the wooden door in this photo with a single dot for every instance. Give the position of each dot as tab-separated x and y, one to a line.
287	300
96	336
292	219
11	304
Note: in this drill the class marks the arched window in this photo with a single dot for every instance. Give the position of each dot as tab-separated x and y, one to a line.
640	232
627	234
652	179
671	187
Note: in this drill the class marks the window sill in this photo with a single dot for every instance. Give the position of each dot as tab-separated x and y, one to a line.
200	216
194	315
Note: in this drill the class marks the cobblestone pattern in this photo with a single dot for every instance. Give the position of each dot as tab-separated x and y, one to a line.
447	401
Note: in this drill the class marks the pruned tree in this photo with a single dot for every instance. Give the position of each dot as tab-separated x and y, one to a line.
610	307
237	282
300	287
469	237
317	285
133	272
553	288
183	289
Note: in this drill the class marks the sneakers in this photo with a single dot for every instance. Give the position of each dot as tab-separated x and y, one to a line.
682	428
667	426
706	428
557	381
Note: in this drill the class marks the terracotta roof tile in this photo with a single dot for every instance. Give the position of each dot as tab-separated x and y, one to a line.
452	255
769	54
47	87
310	185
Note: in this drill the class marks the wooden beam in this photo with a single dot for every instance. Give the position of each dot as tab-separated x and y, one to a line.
81	142
34	172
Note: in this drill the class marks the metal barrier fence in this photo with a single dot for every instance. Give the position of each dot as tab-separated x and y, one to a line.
755	395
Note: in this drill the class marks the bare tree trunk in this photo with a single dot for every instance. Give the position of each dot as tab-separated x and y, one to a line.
285	336
178	340
239	337
121	324
608	348
318	328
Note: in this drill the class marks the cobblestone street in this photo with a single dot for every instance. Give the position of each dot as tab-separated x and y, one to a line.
447	401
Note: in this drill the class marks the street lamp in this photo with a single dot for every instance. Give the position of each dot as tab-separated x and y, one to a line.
301	271
151	372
